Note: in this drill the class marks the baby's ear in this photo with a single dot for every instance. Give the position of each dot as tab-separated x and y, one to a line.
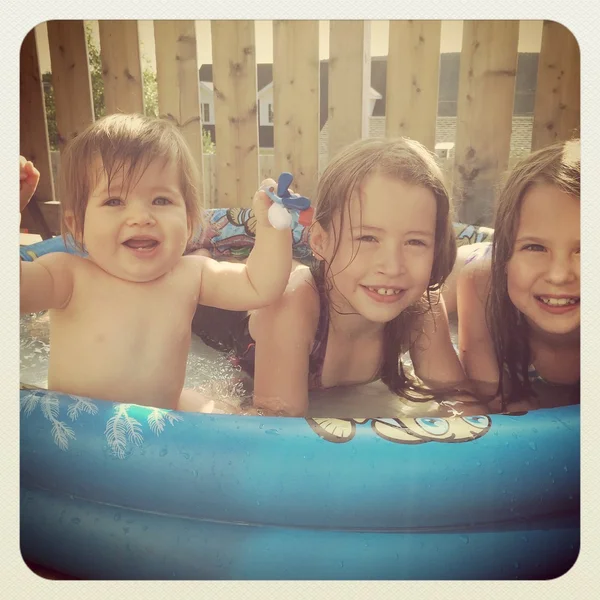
318	240
69	224
69	221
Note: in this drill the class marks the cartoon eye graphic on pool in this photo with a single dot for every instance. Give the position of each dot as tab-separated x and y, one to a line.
479	422
433	426
406	430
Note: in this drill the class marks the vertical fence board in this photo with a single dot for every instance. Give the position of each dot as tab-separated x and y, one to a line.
557	98
33	139
413	72
236	123
177	82
121	67
296	102
349	82
70	79
488	66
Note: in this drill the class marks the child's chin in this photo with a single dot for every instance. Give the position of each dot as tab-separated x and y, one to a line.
144	276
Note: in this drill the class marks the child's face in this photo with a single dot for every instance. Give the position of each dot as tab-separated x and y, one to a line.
543	272
383	266
141	236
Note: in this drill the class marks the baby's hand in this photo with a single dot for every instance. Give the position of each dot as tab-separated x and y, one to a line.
29	177
261	203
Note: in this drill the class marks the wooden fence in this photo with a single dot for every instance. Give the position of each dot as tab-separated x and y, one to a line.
230	177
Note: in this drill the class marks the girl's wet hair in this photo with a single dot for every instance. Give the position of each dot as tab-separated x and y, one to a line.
408	161
558	165
123	144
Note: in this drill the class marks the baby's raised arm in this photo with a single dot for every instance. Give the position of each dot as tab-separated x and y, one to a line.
47	282
262	279
29	177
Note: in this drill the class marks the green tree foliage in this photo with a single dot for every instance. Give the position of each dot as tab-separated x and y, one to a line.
208	146
95	68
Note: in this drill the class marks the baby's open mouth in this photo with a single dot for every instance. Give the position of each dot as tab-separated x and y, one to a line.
141	243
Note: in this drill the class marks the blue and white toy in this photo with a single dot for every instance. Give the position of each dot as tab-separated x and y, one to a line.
288	209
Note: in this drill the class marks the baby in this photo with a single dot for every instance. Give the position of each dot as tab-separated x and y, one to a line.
120	319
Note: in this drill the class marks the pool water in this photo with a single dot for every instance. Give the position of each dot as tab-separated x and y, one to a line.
211	373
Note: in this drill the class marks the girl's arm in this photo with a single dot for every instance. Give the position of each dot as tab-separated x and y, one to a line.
262	279
476	348
284	333
432	353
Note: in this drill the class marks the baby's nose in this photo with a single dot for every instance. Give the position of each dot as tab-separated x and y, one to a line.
139	215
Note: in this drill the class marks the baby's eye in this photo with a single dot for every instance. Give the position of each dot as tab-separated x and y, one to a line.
534	247
161	201
367	238
113	202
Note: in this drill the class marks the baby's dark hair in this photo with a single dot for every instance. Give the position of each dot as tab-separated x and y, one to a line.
123	144
408	161
559	165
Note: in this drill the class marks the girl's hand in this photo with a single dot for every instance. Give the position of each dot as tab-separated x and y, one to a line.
29	177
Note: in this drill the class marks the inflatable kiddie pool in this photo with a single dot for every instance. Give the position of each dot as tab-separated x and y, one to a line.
115	491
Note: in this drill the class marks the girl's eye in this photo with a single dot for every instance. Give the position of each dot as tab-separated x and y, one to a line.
113	202
534	247
161	201
417	242
367	238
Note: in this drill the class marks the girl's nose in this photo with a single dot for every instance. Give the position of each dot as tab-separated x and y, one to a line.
392	261
562	269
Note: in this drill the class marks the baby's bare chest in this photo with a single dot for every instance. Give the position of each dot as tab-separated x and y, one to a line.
144	319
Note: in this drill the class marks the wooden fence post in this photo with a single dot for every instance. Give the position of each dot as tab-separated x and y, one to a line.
488	69
296	102
70	79
121	67
558	94
349	82
413	73
33	140
178	84
236	123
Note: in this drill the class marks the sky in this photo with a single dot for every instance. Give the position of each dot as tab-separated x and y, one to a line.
530	35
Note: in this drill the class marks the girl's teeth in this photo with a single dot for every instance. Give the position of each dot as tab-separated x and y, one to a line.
559	301
385	291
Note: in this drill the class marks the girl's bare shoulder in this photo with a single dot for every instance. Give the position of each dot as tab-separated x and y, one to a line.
477	271
301	291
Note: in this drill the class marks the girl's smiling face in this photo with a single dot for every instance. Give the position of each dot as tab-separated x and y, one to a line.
543	272
386	248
